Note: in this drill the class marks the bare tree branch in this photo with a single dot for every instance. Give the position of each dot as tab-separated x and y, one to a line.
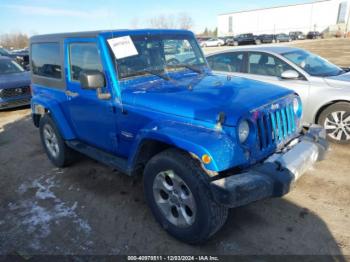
185	21
14	40
181	21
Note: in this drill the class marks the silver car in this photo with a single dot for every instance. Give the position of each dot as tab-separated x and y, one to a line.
324	88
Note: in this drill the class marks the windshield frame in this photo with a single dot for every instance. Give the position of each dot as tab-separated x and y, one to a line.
165	68
309	55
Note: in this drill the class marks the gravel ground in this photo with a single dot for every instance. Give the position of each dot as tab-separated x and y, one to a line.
89	208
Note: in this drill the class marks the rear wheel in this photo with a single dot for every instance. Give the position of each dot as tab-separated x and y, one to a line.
336	121
53	143
179	198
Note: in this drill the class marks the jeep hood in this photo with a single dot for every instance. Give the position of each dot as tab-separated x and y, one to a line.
202	97
14	80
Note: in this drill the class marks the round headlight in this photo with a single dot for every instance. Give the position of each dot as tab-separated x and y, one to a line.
297	106
243	131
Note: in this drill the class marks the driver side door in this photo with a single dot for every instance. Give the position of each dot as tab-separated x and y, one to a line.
93	119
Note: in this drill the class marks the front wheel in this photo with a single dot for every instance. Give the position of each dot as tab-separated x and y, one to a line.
336	121
179	198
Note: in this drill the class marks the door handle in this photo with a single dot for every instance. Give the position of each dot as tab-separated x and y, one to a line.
70	93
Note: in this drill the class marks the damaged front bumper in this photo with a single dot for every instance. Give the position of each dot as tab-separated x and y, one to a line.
275	176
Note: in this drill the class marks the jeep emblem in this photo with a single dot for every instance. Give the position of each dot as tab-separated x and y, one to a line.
275	106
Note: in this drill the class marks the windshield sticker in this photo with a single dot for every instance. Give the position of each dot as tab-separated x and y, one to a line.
122	47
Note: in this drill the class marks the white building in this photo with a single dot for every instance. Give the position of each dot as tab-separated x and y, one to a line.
323	16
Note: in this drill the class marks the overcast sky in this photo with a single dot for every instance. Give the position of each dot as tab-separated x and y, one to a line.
51	16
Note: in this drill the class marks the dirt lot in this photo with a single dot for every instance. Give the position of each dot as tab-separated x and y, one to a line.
90	209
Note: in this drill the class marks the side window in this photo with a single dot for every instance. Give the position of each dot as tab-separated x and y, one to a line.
83	56
227	62
265	64
46	60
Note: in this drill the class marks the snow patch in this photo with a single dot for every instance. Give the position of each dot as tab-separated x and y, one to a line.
38	218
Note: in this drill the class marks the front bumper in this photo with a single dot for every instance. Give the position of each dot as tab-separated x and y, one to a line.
276	176
14	102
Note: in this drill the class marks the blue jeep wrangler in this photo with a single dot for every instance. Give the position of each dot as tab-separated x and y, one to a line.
145	102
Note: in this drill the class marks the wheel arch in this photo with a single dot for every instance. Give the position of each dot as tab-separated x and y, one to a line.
222	149
45	106
325	106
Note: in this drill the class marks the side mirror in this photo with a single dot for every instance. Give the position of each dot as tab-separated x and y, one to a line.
290	74
92	79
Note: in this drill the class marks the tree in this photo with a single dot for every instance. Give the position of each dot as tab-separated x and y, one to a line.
181	21
14	40
185	21
206	32
162	21
215	32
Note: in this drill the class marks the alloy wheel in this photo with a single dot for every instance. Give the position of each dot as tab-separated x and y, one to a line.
337	125
174	199
51	141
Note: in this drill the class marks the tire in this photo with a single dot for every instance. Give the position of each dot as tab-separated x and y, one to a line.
206	216
57	151
336	120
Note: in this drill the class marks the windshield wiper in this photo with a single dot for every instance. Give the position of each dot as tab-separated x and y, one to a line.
155	73
193	68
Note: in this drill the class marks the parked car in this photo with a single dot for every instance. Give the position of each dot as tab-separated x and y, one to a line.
297	35
201	39
225	38
242	39
212	42
279	38
204	142
314	35
322	86
265	39
14	84
21	57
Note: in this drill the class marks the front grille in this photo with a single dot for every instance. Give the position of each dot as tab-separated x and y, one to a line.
15	103
13	92
276	126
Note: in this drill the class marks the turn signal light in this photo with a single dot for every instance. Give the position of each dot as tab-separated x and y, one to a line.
206	159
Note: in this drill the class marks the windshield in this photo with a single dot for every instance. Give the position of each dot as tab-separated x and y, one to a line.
159	54
4	52
9	67
313	64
